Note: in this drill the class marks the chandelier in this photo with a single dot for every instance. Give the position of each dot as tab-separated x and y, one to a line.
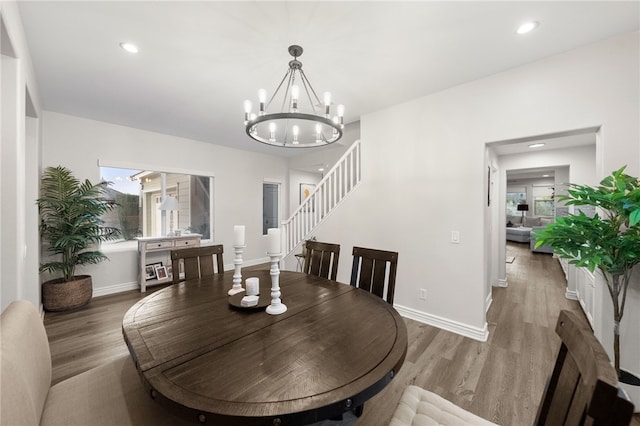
299	124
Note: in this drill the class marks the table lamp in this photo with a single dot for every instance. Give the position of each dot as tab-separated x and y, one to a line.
170	203
523	208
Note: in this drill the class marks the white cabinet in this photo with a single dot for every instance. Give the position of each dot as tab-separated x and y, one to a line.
586	288
153	250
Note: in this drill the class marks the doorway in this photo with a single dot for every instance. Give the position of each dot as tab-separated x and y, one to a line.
521	165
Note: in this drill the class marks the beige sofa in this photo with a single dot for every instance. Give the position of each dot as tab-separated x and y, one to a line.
111	394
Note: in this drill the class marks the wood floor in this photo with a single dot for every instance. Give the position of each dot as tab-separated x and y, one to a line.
501	380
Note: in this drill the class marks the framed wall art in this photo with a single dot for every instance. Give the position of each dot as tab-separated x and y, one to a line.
306	189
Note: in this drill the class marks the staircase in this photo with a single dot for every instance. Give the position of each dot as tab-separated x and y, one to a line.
343	178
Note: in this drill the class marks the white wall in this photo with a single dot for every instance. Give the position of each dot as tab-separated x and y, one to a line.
79	144
424	173
19	161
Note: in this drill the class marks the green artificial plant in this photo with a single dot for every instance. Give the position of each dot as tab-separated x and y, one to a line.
70	213
609	241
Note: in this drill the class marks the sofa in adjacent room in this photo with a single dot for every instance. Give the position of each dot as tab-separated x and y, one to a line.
532	242
519	229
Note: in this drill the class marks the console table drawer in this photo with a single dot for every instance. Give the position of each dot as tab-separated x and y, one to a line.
158	245
186	243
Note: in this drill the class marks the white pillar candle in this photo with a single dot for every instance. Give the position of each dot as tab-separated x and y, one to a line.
252	286
238	235
273	235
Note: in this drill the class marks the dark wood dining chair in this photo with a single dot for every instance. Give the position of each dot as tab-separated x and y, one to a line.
321	259
198	262
375	271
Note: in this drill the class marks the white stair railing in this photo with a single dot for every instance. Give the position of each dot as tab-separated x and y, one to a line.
343	178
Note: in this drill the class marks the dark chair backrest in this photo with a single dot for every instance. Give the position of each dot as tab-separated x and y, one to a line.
369	271
583	387
321	259
197	262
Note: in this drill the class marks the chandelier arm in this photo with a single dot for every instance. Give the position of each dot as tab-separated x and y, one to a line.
307	85
278	88
291	74
304	77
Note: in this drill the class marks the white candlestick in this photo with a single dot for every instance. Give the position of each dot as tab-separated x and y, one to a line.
276	307
252	286
237	275
273	237
238	235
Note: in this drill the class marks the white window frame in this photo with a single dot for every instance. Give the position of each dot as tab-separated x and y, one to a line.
118	164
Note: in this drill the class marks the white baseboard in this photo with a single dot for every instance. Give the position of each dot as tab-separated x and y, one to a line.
571	295
502	282
118	288
481	334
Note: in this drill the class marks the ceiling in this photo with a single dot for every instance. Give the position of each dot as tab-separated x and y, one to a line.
198	61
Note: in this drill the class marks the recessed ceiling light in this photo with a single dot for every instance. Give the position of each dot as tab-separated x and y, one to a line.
129	47
536	145
527	27
545	175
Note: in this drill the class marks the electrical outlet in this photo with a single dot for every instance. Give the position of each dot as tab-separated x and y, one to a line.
423	294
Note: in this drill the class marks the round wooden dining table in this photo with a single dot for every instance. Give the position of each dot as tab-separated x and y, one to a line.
198	354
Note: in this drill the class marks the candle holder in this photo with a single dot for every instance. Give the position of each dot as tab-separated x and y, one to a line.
237	275
276	307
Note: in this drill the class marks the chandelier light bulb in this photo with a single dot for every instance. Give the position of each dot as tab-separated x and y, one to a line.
341	115
327	98
247	111
296	132
262	97
272	132
318	133
295	95
327	104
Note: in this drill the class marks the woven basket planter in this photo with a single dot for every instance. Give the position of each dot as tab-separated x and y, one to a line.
58	295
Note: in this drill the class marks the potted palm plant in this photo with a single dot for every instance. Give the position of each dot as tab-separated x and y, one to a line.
608	241
70	224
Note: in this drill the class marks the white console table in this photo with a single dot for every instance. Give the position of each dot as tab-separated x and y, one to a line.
159	248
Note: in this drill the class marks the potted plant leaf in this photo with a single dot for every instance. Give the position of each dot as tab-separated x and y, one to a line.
70	225
608	241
